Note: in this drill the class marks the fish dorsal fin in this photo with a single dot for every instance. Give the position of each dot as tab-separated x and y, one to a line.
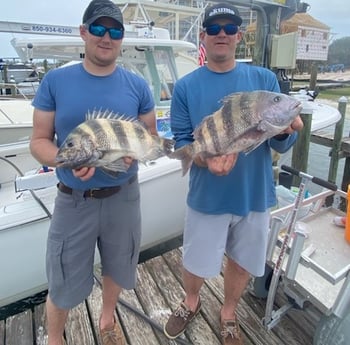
107	114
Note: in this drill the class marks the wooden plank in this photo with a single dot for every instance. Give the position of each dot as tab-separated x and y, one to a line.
136	329
303	321
287	330
78	328
94	305
2	332
40	324
159	291
139	331
301	324
211	303
250	323
322	138
326	139
152	300
300	151
19	329
198	331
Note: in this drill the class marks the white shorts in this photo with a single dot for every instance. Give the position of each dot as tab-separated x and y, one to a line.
208	237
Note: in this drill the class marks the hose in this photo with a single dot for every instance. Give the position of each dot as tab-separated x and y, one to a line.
35	197
145	317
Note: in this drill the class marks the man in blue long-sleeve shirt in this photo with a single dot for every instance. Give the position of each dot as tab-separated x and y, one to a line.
229	196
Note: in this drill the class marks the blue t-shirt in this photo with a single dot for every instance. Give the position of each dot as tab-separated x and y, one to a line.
250	185
72	92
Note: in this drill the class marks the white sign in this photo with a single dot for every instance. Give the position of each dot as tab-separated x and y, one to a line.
312	44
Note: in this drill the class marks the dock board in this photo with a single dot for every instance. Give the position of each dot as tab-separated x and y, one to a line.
143	311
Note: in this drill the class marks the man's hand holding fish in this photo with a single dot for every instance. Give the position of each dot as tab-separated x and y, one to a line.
85	173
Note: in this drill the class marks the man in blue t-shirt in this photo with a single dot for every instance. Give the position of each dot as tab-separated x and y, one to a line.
229	196
91	207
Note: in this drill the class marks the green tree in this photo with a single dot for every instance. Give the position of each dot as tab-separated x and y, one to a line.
339	52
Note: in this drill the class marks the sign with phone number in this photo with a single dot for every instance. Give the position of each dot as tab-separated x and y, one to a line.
42	28
50	29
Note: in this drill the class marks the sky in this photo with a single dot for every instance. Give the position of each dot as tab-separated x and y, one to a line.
333	13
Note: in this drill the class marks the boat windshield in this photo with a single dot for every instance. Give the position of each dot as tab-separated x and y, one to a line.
155	64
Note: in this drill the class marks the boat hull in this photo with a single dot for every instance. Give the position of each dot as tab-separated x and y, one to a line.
16	124
24	225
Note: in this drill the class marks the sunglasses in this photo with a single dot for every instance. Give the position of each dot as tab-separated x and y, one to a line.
214	29
100	30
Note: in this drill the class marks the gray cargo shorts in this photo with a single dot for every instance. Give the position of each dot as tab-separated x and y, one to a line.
77	226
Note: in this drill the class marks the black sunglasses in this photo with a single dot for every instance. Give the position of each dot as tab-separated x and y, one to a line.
214	29
100	30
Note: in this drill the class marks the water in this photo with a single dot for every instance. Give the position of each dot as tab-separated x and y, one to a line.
319	160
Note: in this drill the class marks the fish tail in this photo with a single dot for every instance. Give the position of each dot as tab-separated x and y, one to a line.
185	154
168	146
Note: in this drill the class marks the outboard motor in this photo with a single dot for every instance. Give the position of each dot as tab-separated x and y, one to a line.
312	93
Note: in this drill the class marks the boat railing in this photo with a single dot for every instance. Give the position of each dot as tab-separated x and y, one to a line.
22	90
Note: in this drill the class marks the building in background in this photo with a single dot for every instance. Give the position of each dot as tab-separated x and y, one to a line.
313	36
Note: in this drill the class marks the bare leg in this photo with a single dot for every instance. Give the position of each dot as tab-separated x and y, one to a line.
56	319
192	285
110	295
235	281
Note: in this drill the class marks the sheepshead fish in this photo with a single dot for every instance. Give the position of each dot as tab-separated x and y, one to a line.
244	122
103	139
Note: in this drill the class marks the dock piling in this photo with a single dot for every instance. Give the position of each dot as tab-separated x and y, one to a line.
300	154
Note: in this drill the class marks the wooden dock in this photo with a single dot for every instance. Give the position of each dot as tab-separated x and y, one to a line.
159	291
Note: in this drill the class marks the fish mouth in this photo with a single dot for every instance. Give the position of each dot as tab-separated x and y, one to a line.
298	106
62	163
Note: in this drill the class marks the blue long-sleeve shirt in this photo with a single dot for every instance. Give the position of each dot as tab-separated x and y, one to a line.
249	186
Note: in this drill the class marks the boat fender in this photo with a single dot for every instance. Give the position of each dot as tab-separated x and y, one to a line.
339	221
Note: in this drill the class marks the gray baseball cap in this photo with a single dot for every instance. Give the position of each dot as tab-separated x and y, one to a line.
102	8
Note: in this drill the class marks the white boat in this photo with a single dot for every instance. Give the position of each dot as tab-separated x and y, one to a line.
16	123
323	115
26	203
18	72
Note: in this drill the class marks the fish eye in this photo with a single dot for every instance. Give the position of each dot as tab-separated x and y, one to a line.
70	144
277	99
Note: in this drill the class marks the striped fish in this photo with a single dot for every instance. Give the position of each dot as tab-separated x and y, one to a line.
244	122
105	138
